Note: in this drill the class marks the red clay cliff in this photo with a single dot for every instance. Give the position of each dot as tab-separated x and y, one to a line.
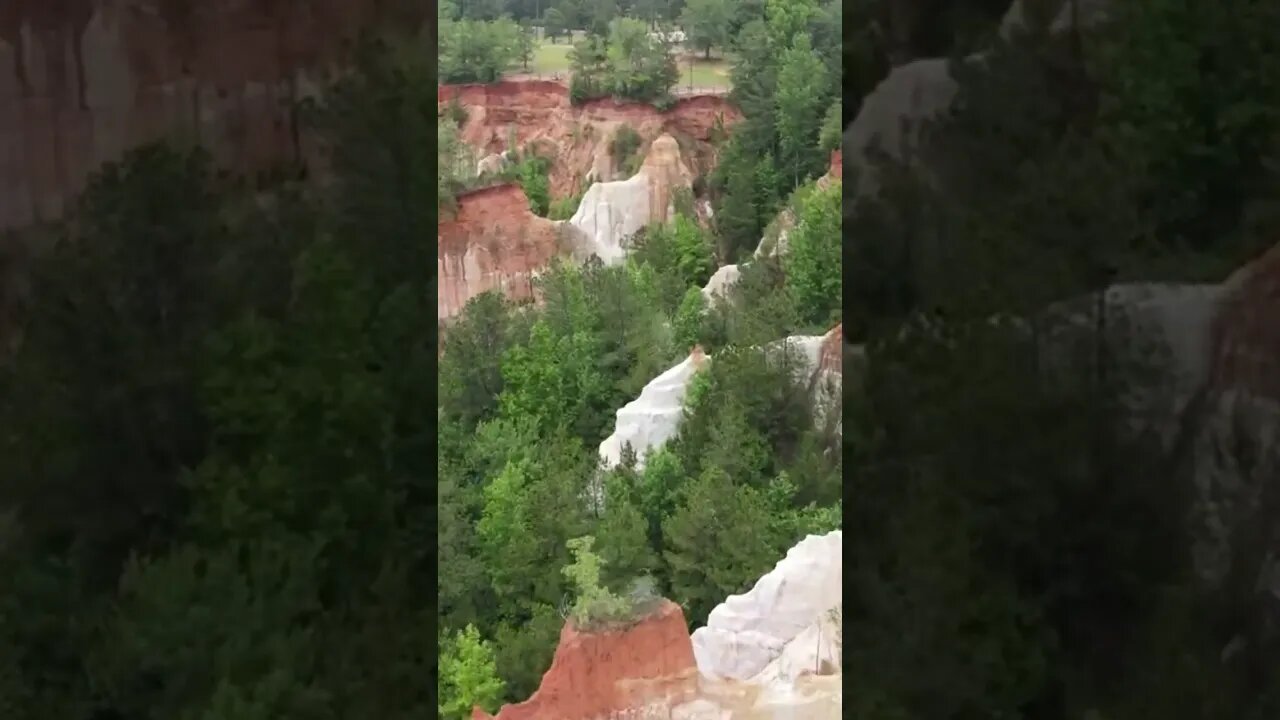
597	676
82	81
492	242
1246	332
538	111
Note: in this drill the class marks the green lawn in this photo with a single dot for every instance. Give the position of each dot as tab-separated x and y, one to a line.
703	73
550	58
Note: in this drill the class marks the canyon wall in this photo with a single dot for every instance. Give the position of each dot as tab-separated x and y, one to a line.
538	111
493	241
82	81
611	212
640	671
648	670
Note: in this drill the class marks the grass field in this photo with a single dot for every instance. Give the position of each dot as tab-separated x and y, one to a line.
551	59
699	72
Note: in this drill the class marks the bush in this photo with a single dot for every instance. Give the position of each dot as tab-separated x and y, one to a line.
581	90
624	143
454	111
565	207
596	606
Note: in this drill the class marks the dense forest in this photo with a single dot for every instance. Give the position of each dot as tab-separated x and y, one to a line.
216	433
215	440
1011	553
527	393
217	449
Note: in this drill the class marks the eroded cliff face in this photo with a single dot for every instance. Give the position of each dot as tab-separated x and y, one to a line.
1207	359
611	212
637	672
494	242
528	111
648	671
82	81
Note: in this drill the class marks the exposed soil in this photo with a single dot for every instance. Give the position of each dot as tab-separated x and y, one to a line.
492	242
613	673
82	81
1246	333
538	111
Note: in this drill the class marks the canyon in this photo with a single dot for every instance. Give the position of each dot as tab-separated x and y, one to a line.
492	241
653	668
83	81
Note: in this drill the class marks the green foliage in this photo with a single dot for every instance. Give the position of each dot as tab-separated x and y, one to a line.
595	606
679	250
623	147
534	172
717	542
468	675
629	64
478	50
830	135
554	23
801	99
564	208
812	260
688	320
220	628
526	46
706	23
99	407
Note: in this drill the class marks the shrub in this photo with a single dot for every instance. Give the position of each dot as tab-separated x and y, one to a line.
595	606
565	207
625	142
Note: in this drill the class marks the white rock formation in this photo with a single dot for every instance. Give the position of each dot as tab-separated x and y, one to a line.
492	163
808	349
815	650
610	212
718	286
747	632
912	94
653	418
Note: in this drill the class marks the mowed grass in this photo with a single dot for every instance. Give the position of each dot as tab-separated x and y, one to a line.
698	72
548	58
694	70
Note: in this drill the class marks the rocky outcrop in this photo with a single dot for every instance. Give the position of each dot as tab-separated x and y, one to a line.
538	111
641	671
82	81
893	115
747	632
610	212
648	670
652	419
494	242
720	282
1200	366
1237	446
836	168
